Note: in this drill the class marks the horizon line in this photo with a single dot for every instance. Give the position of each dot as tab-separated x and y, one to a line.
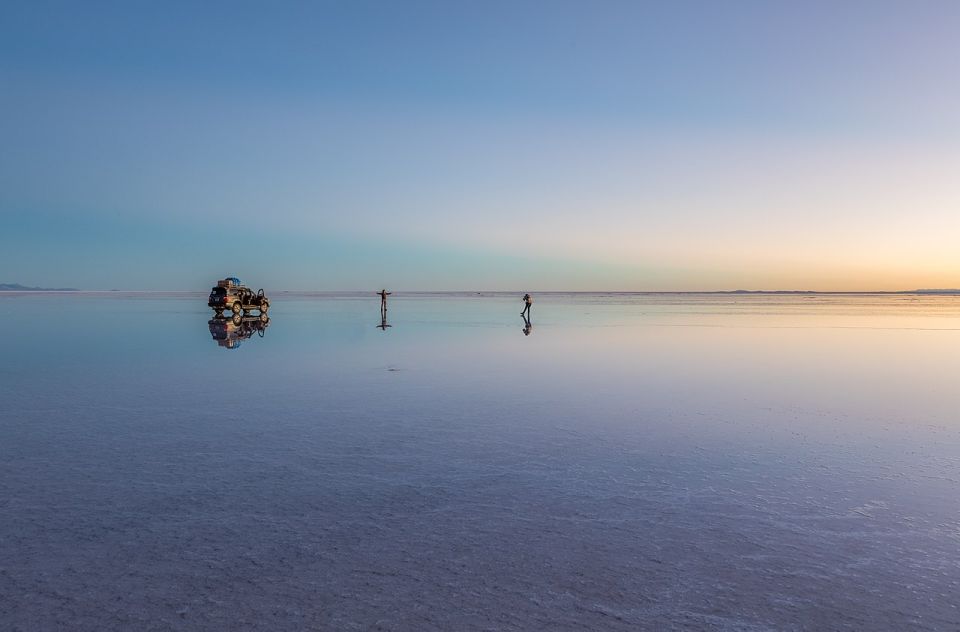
919	291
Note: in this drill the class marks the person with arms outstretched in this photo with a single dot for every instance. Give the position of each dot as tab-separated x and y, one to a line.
383	302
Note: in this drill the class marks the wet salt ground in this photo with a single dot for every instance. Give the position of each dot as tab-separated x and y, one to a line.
688	463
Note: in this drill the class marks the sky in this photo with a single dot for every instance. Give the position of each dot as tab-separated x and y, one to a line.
454	145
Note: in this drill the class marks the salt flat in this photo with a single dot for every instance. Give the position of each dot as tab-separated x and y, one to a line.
662	462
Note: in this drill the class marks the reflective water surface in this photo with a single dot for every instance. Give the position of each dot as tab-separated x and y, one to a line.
617	462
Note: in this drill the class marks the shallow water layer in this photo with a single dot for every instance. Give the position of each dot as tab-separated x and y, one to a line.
663	462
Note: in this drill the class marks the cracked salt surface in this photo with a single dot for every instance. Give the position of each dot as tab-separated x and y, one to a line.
662	463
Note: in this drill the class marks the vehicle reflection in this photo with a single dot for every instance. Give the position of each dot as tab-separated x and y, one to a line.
229	332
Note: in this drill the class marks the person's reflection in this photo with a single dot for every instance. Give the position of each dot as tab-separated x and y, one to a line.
527	326
383	322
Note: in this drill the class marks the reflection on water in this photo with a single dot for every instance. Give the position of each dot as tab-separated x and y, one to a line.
651	462
229	332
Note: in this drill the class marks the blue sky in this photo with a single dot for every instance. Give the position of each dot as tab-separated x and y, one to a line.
469	145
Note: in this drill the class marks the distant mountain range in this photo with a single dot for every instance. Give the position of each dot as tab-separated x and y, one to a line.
16	287
923	291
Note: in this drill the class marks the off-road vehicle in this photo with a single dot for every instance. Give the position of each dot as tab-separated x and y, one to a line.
230	294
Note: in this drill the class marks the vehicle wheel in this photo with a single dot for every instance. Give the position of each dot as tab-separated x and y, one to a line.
237	318
264	307
263	316
237	308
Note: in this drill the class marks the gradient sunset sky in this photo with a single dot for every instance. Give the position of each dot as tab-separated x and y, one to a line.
592	145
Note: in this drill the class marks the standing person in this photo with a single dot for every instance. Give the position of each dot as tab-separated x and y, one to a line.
527	301
383	302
